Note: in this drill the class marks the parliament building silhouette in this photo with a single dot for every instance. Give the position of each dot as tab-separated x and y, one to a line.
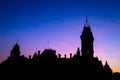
84	59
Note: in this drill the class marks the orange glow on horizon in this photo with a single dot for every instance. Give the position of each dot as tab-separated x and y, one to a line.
116	69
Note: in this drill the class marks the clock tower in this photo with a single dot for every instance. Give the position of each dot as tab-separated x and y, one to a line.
87	40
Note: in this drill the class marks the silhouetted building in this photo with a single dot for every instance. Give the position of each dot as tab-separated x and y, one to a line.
88	66
15	57
116	76
87	40
15	52
48	56
107	72
78	52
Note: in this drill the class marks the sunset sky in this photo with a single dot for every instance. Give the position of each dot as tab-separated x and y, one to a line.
35	22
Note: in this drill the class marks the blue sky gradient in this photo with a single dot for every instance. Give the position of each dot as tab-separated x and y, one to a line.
35	22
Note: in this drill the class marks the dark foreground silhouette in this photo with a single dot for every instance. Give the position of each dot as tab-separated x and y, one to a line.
87	66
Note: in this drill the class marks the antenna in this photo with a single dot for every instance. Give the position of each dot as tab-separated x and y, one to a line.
48	45
17	40
35	50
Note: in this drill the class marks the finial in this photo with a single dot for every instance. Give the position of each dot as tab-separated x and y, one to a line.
86	21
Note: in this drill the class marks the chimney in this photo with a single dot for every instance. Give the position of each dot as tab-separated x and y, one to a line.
29	56
65	56
70	55
38	52
59	55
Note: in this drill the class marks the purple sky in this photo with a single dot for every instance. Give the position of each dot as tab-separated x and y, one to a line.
61	23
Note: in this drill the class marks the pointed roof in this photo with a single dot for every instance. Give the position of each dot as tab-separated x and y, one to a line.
15	52
16	49
106	66
16	45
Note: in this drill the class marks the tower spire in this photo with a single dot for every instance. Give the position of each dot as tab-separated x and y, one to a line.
86	21
87	39
86	17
